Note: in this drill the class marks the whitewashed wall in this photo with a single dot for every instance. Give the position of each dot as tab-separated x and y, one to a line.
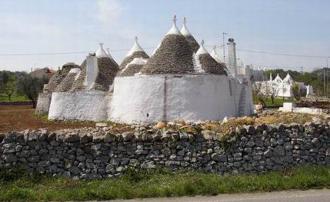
142	98
43	103
82	105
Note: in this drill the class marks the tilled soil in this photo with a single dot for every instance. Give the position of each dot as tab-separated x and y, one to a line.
22	117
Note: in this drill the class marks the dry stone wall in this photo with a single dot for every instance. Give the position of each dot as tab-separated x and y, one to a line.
98	152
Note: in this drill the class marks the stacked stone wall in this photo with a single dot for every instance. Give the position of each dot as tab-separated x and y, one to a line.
98	152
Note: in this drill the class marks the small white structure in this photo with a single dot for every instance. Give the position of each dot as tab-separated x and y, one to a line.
309	91
290	107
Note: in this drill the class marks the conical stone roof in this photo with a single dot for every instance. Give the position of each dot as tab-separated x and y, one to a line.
133	67
58	77
78	84
68	81
204	61
107	70
173	56
189	37
216	56
135	52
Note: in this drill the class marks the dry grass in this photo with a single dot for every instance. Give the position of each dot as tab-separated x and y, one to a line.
273	118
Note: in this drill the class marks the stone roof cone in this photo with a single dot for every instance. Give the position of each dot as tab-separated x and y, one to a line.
59	76
135	52
217	58
204	62
106	68
189	37
68	81
173	56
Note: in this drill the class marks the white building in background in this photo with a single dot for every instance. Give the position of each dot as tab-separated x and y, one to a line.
279	87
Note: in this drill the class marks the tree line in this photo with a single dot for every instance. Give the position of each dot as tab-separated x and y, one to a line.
21	84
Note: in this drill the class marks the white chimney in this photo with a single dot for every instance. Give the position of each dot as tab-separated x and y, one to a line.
232	60
91	71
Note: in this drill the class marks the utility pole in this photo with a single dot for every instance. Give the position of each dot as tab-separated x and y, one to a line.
224	46
324	81
327	78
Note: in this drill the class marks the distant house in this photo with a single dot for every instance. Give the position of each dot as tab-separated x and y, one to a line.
42	73
279	87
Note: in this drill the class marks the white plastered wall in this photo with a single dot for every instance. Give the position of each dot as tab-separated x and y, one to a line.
43	103
82	105
143	99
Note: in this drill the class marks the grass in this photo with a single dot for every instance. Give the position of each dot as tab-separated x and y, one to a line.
278	102
14	98
158	183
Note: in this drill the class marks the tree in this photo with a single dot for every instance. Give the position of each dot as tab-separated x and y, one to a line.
4	76
257	95
9	88
31	87
296	91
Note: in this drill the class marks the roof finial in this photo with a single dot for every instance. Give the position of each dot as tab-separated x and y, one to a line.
202	43
101	52
136	39
174	29
184	20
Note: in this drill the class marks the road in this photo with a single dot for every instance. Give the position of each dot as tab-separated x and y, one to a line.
322	195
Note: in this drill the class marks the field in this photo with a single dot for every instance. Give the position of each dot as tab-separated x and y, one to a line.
23	117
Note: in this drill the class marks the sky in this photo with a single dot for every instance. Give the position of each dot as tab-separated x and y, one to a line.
40	33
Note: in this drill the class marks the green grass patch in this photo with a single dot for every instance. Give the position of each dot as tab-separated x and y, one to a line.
14	98
278	102
157	183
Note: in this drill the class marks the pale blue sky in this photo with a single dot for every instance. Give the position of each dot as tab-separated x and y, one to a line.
48	26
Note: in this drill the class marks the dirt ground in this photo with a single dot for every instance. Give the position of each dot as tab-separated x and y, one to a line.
18	118
22	117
